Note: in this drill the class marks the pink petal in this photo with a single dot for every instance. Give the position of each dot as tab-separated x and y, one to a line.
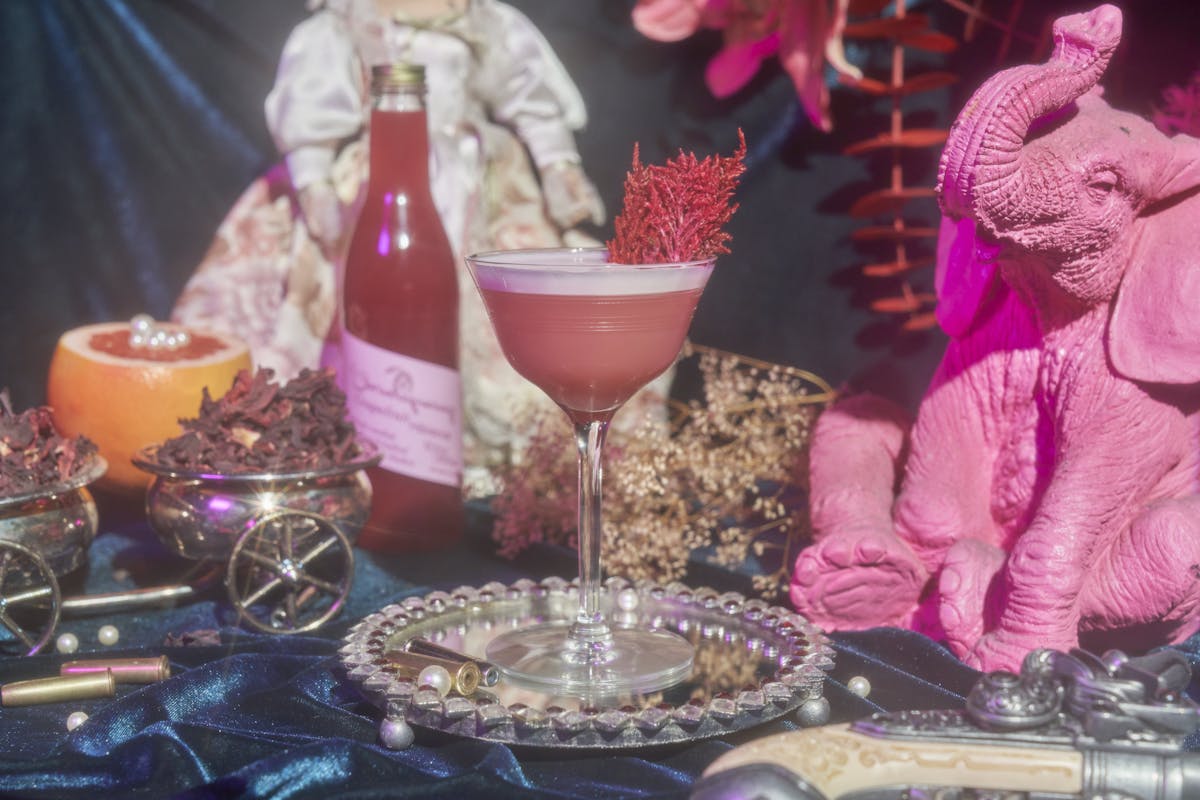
734	66
667	20
803	33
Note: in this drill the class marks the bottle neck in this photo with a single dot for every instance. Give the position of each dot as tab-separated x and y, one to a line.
399	137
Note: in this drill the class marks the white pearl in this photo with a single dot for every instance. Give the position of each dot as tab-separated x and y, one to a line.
183	338
142	323
436	677
75	719
158	340
627	599
108	634
138	340
859	685
171	342
67	643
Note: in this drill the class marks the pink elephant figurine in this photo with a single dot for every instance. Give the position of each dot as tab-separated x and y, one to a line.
1049	488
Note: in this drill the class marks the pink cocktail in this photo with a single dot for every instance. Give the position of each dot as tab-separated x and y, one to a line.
589	334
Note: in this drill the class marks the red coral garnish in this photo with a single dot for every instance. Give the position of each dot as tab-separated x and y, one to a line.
677	211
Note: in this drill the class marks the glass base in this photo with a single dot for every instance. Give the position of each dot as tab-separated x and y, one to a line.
639	661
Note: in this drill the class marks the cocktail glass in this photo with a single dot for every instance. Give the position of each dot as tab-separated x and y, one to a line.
589	334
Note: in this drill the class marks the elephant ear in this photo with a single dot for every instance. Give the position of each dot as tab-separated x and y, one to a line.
963	280
1154	331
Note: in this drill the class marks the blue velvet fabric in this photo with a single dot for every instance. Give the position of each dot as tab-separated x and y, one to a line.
272	716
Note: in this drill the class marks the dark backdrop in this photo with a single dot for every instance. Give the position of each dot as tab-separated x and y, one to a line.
131	126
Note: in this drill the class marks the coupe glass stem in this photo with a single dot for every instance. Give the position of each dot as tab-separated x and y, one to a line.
590	640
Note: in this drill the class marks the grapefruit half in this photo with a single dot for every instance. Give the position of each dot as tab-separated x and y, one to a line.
125	398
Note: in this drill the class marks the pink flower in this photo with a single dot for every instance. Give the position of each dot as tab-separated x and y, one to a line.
803	33
1180	109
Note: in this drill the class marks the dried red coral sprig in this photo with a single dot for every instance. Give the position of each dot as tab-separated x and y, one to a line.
677	211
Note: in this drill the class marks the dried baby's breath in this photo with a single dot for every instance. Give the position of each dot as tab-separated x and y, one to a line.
726	474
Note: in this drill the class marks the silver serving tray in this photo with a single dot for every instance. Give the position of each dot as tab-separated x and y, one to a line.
754	663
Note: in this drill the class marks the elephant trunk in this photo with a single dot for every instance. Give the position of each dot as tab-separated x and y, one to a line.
980	174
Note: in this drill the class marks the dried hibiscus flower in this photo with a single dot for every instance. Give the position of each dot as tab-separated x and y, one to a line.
33	454
262	426
677	211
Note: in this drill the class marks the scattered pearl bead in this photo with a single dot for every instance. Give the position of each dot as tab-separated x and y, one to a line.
436	677
627	599
75	719
66	643
183	338
142	323
396	734
108	634
859	685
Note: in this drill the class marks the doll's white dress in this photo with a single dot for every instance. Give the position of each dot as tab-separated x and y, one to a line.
497	97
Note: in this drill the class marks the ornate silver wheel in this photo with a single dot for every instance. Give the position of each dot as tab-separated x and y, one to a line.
30	600
290	573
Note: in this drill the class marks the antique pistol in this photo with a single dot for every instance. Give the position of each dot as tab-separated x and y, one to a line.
1071	725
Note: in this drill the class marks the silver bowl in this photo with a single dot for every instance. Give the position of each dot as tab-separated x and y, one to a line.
286	537
57	522
202	515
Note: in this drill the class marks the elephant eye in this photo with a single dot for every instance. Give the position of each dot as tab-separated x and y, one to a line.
1103	182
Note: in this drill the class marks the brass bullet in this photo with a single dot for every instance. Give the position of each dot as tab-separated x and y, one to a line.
465	674
124	670
489	672
58	689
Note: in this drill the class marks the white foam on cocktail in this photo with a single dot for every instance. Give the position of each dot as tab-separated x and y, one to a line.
581	272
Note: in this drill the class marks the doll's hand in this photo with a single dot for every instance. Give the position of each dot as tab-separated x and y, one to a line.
323	214
570	196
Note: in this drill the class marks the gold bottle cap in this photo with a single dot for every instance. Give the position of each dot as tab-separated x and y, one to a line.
399	75
58	689
124	670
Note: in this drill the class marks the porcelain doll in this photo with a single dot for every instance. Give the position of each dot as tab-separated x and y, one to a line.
505	169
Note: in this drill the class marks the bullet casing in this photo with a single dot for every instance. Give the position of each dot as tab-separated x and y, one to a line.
124	670
58	689
489	672
465	674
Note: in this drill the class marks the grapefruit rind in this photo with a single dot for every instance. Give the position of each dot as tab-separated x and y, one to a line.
126	404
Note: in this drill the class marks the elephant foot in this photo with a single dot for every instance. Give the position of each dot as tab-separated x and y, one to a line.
1144	591
857	580
968	572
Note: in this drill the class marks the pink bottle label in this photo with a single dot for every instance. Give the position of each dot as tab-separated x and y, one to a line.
410	409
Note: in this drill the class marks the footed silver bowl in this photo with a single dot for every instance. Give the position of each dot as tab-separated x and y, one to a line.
58	522
286	537
44	533
201	515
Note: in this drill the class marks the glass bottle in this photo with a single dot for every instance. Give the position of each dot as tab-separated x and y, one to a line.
400	343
